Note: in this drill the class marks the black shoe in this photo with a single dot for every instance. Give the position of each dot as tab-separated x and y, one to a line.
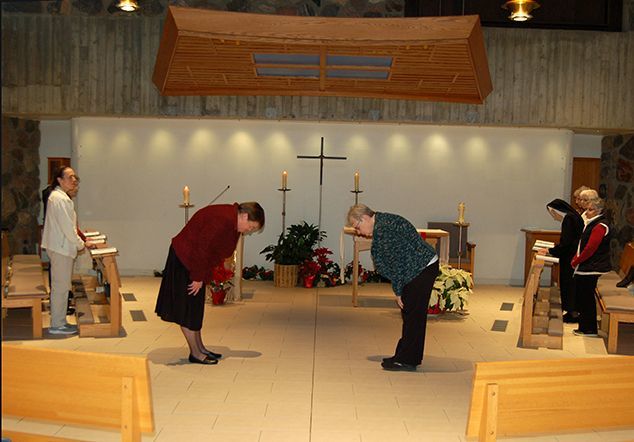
390	359
213	355
397	366
588	334
627	280
206	361
70	311
571	318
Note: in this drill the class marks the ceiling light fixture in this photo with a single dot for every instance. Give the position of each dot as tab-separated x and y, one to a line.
128	5
520	9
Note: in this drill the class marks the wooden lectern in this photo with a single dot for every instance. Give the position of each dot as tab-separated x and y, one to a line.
533	235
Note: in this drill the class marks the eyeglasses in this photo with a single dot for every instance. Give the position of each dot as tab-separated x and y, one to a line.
356	226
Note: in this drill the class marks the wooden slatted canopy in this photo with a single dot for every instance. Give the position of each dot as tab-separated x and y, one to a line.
205	52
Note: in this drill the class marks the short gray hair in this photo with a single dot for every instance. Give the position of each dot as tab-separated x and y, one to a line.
356	212
596	204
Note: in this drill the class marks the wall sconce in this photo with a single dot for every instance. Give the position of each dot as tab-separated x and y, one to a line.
520	9
128	5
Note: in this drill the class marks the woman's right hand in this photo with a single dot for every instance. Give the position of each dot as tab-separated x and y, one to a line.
194	287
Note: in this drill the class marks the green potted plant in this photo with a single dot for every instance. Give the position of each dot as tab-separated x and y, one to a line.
451	291
292	248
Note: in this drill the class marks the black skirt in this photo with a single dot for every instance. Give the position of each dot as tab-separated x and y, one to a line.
173	303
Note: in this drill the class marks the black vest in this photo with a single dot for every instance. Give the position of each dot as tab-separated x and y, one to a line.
600	260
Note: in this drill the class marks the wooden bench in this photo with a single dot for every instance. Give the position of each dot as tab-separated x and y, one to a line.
551	396
616	304
24	285
541	321
69	387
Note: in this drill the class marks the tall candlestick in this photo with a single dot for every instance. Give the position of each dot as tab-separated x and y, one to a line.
186	196
356	181
284	179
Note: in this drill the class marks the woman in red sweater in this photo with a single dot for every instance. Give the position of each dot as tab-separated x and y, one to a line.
206	241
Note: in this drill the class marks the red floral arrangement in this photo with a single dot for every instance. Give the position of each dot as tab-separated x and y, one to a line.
221	278
321	268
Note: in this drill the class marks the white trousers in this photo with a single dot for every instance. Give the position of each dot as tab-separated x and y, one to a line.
61	282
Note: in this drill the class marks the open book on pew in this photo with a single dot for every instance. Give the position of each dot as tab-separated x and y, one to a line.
91	234
96	241
104	251
540	244
547	258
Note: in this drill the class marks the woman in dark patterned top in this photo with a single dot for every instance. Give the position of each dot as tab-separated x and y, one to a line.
400	254
205	241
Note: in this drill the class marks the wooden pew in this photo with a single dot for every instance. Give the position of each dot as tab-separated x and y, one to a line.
541	320
69	387
24	285
99	315
616	304
551	396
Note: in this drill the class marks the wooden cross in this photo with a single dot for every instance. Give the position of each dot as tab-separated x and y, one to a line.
321	157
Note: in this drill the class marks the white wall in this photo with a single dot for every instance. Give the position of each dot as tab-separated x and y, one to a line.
133	172
55	141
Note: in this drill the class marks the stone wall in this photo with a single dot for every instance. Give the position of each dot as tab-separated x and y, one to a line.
617	187
21	183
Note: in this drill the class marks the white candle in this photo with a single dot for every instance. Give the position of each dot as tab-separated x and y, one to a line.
356	181
284	179
186	196
461	208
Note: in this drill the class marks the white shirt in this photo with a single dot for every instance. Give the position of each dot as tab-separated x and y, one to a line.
60	226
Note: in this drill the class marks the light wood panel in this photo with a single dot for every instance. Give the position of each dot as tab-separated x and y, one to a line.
553	396
102	390
541	78
206	52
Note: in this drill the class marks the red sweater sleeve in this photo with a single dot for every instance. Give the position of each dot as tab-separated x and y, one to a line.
598	232
208	238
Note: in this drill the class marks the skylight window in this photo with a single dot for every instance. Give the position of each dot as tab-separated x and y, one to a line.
337	66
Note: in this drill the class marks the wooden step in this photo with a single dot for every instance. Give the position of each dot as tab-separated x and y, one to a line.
555	311
541	308
540	324
555	327
83	311
543	294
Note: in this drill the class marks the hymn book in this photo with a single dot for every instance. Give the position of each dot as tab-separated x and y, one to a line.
548	258
104	251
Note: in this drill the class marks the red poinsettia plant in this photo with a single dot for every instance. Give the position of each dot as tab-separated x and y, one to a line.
221	278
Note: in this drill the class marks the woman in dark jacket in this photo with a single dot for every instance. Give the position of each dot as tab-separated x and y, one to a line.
590	262
571	227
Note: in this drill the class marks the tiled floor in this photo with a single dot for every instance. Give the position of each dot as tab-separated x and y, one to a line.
303	365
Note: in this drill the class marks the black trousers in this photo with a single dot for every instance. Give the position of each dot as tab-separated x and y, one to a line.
585	286
415	297
566	285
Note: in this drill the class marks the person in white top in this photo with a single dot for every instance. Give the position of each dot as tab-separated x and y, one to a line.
61	241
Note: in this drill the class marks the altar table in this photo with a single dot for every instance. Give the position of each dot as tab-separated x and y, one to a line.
361	243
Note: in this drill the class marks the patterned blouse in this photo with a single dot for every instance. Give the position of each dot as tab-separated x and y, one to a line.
398	251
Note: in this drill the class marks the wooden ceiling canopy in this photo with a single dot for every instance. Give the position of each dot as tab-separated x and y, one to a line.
205	52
